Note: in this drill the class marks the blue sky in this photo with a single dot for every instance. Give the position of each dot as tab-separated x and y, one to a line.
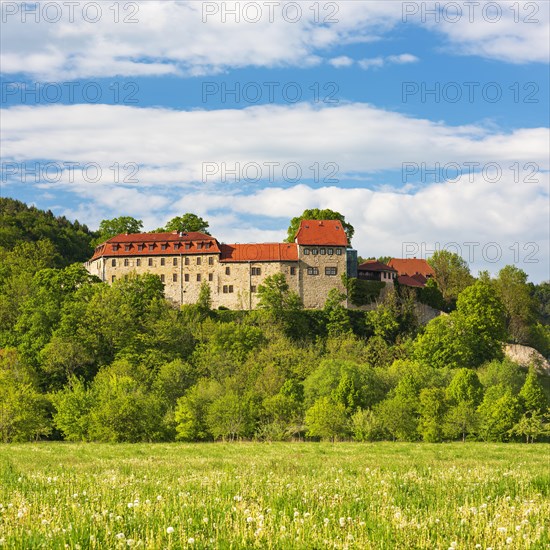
426	129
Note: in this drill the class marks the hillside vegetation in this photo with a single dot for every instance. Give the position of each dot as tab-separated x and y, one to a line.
85	361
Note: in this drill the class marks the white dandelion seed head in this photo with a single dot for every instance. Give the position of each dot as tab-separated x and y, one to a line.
190	540
119	536
170	530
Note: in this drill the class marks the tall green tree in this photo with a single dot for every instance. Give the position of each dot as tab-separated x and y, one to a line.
318	214
327	419
532	395
276	297
432	408
451	273
187	223
116	226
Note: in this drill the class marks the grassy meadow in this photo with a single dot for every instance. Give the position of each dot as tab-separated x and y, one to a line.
253	495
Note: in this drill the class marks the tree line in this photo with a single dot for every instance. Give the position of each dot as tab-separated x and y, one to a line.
82	360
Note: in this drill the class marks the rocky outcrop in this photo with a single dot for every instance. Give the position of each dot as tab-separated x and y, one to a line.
526	356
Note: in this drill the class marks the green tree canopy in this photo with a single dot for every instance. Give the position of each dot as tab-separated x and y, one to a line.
116	226
318	214
451	273
275	295
187	223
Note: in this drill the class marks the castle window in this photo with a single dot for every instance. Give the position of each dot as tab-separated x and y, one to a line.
162	278
186	277
330	251
113	278
322	251
151	246
126	262
162	261
163	246
312	271
150	262
138	262
115	247
314	251
174	262
331	271
187	246
126	247
207	246
210	260
293	271
199	260
253	289
198	277
199	246
141	247
306	251
186	260
256	271
228	271
225	289
174	277
338	251
230	289
176	246
113	262
210	276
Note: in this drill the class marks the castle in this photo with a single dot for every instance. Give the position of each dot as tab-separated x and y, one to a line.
313	264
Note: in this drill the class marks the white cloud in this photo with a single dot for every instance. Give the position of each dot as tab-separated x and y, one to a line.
342	61
170	37
378	62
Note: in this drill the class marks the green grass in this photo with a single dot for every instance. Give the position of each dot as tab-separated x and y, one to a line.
365	496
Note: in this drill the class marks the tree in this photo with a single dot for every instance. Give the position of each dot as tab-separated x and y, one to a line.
327	419
23	410
275	295
461	419
204	301
532	426
117	226
397	417
465	387
318	214
188	223
432	407
337	315
451	273
498	413
228	417
520	306
532	395
365	426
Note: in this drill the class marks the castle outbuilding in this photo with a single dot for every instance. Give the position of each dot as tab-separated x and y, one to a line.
312	264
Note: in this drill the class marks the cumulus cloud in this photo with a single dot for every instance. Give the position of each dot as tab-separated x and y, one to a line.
184	38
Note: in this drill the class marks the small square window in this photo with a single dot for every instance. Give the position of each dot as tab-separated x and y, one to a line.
253	289
314	251
186	260
306	251
210	276
198	277
330	251
150	262
210	260
331	270
199	260
230	288
113	262
162	261
322	251
225	289
312	271
138	262
186	276
162	278
293	271
113	278
174	277
338	251
126	262
256	271
228	271
174	262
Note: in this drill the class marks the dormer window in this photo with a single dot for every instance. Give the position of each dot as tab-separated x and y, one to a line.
199	246
176	246
163	246
151	246
115	247
127	247
141	247
187	246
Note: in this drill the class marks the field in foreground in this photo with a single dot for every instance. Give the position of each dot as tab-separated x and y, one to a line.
379	496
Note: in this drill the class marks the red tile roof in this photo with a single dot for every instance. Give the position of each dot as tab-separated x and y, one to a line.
373	265
263	252
321	232
412	266
162	244
405	280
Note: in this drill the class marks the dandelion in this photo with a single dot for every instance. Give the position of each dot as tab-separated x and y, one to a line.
249	519
119	536
509	540
130	542
170	530
501	530
205	520
130	505
325	521
190	540
453	544
342	522
159	498
296	514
